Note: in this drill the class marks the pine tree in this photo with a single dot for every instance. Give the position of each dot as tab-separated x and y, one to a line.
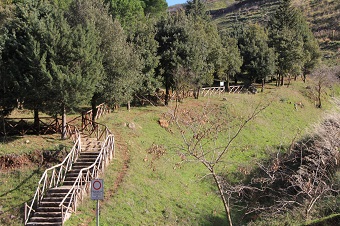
59	64
155	7
145	44
122	62
23	57
196	8
231	60
258	58
126	11
285	38
191	44
311	49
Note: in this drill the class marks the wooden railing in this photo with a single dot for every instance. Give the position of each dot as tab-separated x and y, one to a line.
95	130
82	184
235	89
55	175
212	91
23	126
87	116
47	125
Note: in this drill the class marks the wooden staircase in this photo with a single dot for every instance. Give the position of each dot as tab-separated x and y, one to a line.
48	211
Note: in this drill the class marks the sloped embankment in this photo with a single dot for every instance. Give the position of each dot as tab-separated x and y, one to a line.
36	157
300	178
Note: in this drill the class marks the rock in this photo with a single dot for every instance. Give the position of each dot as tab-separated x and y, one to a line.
131	125
163	123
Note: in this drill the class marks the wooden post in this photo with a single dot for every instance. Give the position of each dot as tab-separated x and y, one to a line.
36	121
25	213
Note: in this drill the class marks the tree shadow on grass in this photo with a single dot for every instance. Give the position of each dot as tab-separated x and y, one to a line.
17	211
215	221
9	139
18	187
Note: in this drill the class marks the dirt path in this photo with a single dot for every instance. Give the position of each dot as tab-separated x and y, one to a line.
123	148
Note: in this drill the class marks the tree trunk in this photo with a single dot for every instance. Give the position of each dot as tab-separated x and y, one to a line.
228	83
167	90
225	203
289	78
263	82
197	93
94	107
63	122
282	83
128	106
4	127
36	121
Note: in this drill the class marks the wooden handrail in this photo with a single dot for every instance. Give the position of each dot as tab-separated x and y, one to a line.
49	178
54	176
85	175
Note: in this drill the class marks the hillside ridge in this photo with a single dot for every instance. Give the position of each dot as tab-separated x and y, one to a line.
322	15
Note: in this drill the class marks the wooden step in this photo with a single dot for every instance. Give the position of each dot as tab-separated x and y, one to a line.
71	182
43	224
47	214
54	198
49	209
47	219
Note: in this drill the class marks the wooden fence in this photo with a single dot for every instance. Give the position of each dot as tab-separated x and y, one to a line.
22	126
212	91
47	125
235	89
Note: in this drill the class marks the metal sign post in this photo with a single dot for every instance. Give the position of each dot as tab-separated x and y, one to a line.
97	193
97	213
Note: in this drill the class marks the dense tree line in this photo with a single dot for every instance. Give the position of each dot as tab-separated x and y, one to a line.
57	55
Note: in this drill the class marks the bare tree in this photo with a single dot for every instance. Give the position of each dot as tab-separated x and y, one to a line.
201	131
324	78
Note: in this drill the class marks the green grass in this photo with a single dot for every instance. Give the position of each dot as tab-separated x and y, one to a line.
26	144
153	192
164	193
329	220
219	4
16	188
159	191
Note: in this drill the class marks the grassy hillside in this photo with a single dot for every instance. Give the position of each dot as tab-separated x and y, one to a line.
323	16
146	185
158	190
